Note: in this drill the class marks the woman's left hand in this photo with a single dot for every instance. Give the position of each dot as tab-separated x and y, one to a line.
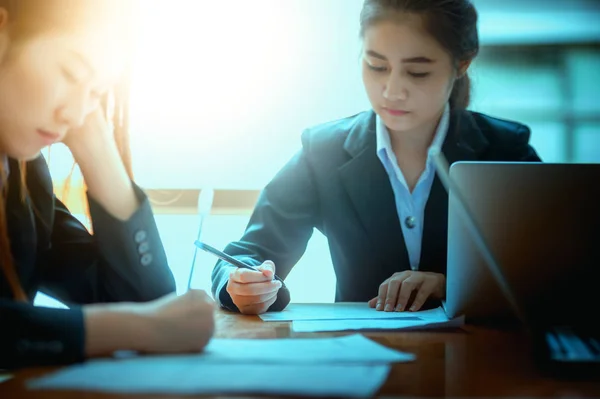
396	291
95	150
87	138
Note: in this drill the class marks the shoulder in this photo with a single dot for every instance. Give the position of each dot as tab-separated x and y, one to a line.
39	181
502	139
500	131
40	189
332	135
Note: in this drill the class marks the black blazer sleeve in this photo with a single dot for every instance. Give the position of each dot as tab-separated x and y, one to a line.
122	261
279	229
37	336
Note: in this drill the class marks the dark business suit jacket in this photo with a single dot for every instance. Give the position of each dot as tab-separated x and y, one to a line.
337	184
54	253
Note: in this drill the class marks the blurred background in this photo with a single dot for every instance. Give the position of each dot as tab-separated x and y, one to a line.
221	92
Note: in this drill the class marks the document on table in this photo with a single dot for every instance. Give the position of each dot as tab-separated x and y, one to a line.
346	311
155	376
426	323
351	366
349	349
357	316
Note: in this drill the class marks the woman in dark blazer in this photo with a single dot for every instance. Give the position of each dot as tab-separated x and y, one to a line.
117	283
367	181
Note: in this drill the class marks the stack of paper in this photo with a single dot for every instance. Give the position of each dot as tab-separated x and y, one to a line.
308	317
351	366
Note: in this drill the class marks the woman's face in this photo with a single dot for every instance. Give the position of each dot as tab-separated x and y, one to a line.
408	75
50	83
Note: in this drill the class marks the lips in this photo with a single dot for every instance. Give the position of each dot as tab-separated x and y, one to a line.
48	137
395	112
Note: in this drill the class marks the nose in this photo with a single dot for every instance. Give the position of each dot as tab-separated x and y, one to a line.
394	89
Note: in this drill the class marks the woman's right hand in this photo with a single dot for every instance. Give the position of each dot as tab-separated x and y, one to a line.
254	292
171	324
179	323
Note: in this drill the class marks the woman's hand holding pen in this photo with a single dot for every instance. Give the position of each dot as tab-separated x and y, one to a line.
396	292
182	323
253	292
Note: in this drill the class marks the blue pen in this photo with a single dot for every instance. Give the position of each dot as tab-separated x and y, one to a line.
229	259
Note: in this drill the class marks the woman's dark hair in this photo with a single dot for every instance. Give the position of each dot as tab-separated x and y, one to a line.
29	18
453	23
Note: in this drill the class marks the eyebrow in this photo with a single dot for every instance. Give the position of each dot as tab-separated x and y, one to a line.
83	60
412	60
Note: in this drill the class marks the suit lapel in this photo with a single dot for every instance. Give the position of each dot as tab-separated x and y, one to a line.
370	192
464	142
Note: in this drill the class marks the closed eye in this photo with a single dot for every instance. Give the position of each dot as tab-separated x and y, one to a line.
419	75
69	76
376	69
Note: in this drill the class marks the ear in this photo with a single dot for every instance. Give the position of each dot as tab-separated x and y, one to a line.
463	67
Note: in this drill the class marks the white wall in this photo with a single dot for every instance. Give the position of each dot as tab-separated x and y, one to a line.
223	90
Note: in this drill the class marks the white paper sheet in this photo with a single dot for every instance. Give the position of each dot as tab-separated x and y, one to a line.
345	311
349	349
351	366
375	324
174	376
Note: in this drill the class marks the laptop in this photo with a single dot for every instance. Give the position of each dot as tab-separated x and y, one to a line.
524	247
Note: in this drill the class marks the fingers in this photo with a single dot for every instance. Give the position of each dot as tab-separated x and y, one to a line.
237	289
258	299
258	308
388	291
398	290
372	302
406	289
202	298
267	269
247	276
254	291
266	273
392	293
382	294
253	298
422	295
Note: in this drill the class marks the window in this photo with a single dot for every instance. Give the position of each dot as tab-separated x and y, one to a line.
222	91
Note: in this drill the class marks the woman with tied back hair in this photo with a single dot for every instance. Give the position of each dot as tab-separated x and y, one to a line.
367	181
59	61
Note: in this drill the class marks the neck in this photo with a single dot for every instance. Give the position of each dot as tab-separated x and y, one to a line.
417	140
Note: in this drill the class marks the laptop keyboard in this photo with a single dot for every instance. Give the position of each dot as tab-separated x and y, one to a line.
568	345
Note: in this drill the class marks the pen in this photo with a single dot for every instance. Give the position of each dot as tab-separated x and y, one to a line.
205	200
227	258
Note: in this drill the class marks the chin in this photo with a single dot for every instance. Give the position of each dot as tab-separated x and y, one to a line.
32	157
25	155
399	125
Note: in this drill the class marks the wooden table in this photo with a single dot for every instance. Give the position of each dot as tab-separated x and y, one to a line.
473	361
